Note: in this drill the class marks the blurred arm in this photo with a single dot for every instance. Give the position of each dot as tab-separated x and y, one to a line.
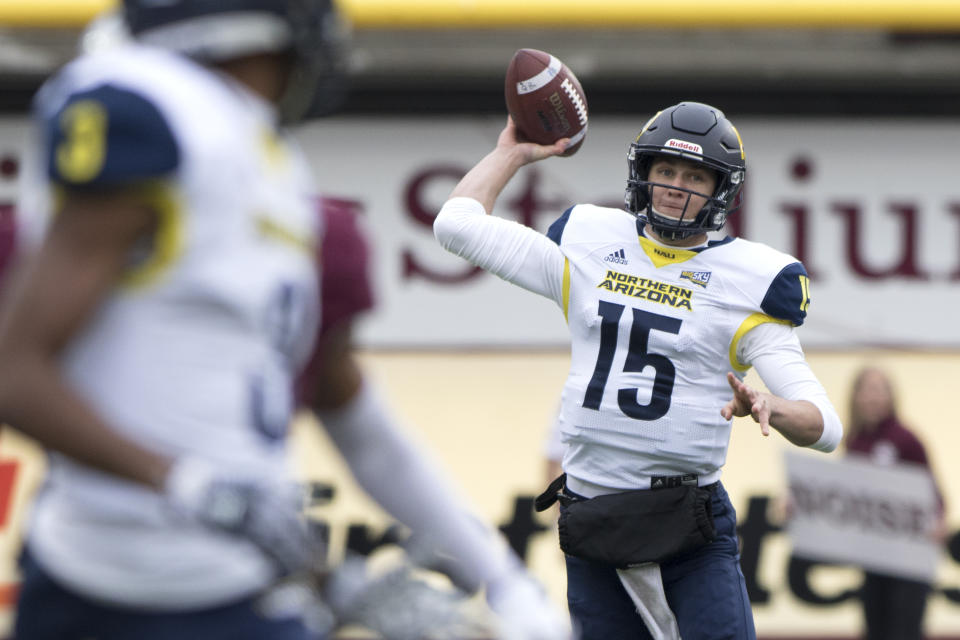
393	469
81	260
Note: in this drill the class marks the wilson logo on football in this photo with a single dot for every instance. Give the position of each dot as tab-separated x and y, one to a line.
683	145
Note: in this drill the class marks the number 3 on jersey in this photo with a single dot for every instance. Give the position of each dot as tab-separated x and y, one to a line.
638	358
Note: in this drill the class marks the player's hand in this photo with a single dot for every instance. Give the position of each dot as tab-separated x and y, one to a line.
524	611
528	152
747	401
265	512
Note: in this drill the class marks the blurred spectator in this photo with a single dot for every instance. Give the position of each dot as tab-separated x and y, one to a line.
893	607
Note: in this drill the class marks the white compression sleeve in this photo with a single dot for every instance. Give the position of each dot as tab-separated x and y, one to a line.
775	351
505	248
407	483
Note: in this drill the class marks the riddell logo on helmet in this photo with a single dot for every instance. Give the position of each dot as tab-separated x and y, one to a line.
683	145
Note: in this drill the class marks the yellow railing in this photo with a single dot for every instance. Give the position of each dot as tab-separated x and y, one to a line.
918	15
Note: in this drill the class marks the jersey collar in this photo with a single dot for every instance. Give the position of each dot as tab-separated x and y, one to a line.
661	254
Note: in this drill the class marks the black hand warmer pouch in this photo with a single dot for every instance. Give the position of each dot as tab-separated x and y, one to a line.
635	527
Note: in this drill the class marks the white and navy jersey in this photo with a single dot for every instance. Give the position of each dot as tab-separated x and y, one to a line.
195	350
654	330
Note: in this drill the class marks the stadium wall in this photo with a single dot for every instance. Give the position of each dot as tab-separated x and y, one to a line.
476	365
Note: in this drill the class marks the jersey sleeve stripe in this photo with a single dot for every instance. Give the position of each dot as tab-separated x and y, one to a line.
565	292
167	239
751	321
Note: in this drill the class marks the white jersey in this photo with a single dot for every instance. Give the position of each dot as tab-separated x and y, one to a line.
654	330
668	322
195	351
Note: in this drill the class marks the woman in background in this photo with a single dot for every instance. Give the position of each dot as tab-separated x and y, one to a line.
893	607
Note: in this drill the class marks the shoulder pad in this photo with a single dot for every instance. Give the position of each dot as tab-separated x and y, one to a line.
788	296
108	136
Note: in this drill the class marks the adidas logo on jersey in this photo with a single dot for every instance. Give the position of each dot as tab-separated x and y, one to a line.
617	256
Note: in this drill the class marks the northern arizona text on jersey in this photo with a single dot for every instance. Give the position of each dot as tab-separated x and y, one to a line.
194	353
667	321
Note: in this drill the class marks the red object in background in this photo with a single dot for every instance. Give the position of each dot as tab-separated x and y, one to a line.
8	477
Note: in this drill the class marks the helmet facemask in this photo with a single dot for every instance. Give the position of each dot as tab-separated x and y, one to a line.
698	134
711	216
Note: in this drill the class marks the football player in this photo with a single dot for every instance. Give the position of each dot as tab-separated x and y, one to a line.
416	491
664	324
168	299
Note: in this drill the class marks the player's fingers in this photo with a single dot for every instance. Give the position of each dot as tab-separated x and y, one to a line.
546	151
732	381
727	411
762	415
741	390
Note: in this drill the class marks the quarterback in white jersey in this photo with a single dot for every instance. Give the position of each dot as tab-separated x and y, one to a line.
664	324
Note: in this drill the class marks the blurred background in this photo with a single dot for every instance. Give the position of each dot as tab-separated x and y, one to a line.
850	117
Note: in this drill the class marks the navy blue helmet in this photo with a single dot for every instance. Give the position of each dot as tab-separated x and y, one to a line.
698	133
218	30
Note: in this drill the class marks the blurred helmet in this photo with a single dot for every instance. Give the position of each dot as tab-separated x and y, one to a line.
218	30
697	133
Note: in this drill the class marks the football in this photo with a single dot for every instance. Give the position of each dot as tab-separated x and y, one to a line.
545	99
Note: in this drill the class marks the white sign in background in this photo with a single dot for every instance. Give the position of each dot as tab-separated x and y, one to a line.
853	511
872	207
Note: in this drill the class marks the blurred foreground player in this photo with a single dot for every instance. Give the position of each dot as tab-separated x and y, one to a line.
664	325
415	491
153	341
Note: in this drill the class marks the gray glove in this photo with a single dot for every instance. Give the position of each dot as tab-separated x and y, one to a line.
266	512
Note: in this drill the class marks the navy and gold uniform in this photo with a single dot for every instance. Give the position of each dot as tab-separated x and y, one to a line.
663	324
654	329
195	351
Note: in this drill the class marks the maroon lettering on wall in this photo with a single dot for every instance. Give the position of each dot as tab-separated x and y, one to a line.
423	214
9	167
800	217
8	234
527	206
954	209
907	265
